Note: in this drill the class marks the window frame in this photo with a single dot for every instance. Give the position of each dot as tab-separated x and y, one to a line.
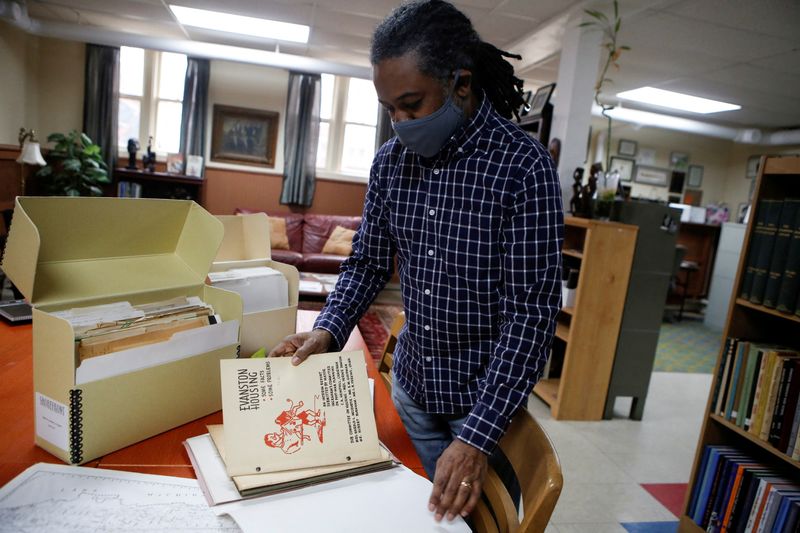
336	129
148	102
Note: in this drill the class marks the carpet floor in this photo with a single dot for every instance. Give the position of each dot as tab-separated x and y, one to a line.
687	346
374	326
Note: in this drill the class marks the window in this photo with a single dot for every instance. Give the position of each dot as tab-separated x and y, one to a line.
151	98
348	120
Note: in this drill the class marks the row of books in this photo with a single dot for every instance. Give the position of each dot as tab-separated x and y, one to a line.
129	189
735	493
773	261
757	389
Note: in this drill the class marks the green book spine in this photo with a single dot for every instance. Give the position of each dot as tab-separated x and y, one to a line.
755	244
747	388
790	283
783	238
765	251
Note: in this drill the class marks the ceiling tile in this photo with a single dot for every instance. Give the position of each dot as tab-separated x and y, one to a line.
337	21
117	8
497	28
779	18
760	79
540	10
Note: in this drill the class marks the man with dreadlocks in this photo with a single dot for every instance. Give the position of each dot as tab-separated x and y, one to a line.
471	206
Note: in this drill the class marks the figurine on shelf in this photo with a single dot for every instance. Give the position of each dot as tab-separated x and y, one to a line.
133	147
575	201
149	158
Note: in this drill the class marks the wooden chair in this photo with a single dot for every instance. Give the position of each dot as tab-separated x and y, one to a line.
538	470
385	366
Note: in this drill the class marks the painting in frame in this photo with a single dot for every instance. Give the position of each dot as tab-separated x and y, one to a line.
695	176
652	176
624	165
244	136
627	147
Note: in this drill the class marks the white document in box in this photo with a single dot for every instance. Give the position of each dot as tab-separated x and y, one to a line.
261	288
182	345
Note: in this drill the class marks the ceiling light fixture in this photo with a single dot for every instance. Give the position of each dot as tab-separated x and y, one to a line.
218	21
673	100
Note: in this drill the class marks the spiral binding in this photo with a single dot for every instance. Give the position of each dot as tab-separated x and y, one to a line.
238	351
75	426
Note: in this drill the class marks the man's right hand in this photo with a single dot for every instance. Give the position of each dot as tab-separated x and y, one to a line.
301	345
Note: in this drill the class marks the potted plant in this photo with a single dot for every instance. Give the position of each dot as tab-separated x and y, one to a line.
75	166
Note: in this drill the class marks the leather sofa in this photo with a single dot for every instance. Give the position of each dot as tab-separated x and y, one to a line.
307	235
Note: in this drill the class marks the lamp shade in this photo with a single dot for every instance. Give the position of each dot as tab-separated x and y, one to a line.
31	154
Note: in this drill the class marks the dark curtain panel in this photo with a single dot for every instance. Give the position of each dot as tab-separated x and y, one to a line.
384	131
101	99
195	107
300	139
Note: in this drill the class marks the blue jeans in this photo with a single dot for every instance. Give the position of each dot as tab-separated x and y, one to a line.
431	433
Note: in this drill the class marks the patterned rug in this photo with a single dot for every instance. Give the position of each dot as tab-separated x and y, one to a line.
687	346
374	326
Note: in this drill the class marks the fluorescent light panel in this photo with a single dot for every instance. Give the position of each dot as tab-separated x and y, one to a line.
218	21
673	100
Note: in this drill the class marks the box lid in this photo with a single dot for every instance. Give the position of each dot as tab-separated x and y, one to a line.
246	240
63	249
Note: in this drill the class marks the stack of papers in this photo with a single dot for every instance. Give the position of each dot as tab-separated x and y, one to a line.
261	288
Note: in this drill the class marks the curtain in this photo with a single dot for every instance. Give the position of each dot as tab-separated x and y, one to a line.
384	131
300	139
101	99
195	107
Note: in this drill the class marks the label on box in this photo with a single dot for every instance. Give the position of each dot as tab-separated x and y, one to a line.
52	421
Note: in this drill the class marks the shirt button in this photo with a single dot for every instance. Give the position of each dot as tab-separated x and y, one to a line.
430	252
429	359
427	328
427	292
461	150
432	212
436	171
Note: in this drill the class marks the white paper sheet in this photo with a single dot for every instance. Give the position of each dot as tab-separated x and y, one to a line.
182	345
73	498
392	501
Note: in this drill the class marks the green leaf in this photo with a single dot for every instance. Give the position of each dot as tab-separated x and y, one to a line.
72	165
616	12
584	24
616	26
86	140
91	150
55	138
72	191
597	14
95	191
45	172
624	47
91	163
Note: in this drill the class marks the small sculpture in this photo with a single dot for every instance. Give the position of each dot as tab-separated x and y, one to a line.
575	201
149	158
133	147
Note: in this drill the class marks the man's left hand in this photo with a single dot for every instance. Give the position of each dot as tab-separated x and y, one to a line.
458	481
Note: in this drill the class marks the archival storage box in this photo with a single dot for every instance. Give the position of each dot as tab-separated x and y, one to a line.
63	253
246	244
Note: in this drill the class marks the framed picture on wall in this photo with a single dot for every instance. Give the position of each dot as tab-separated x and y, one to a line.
624	165
244	136
652	176
679	160
627	147
695	180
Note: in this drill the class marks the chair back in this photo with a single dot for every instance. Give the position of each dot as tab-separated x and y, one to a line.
538	470
385	366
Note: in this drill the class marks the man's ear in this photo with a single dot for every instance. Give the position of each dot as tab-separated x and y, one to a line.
464	87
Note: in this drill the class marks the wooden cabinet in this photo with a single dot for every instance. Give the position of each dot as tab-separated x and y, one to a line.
587	333
700	241
161	184
779	178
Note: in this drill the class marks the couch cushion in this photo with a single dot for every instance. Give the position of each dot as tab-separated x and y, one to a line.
294	225
322	263
340	242
277	233
317	229
289	257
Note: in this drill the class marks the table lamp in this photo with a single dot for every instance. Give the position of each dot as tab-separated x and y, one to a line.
30	153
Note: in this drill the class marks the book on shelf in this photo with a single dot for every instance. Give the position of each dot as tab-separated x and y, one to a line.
129	189
742	355
754	248
790	283
194	166
764	254
783	237
175	163
734	492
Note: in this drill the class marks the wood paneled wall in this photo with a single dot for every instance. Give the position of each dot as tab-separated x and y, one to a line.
225	190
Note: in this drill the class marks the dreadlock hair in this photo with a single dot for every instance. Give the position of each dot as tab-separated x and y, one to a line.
444	40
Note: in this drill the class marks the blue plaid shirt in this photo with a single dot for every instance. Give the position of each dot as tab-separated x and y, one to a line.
477	231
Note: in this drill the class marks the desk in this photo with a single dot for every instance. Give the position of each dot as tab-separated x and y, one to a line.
163	454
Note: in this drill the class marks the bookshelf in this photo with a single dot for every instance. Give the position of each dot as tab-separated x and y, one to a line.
779	178
587	333
162	184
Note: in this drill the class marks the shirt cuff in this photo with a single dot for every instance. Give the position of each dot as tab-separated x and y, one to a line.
336	326
484	428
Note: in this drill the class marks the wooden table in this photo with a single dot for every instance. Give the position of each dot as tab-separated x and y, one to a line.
163	454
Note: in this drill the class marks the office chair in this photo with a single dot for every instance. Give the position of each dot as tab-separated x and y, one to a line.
538	470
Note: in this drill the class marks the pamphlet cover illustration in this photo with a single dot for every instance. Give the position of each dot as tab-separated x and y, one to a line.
280	417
